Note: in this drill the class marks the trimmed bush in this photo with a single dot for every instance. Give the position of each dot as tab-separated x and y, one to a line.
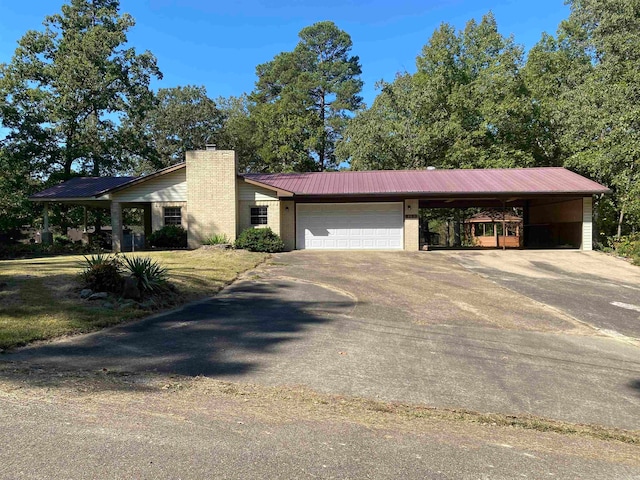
260	240
169	236
103	273
151	277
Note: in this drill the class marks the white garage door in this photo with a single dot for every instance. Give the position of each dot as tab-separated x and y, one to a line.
349	226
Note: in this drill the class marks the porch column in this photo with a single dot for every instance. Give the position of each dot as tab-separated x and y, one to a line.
46	237
116	226
148	228
84	220
411	225
587	223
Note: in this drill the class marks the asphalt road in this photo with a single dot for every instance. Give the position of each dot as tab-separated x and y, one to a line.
109	430
391	326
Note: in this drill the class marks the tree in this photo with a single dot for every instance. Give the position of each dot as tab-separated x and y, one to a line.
184	118
73	84
237	132
303	98
603	111
555	67
16	184
466	106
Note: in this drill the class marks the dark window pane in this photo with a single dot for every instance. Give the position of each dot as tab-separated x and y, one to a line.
258	215
172	215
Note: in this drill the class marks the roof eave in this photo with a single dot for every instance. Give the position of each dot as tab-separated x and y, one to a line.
279	191
68	199
580	193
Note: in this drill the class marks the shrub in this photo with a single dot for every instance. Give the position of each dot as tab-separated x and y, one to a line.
103	273
629	247
62	240
169	236
260	240
151	277
217	239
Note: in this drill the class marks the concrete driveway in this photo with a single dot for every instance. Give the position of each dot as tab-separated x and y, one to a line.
410	327
598	289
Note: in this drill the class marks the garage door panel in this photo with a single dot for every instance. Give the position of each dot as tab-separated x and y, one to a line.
350	226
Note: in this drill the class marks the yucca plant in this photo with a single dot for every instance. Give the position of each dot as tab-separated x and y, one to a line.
151	276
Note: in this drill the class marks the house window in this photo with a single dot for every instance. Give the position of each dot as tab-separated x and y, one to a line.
172	216
258	215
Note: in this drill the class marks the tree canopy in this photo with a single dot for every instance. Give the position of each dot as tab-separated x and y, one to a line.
466	106
183	118
303	98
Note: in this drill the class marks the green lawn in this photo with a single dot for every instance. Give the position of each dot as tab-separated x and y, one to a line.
39	297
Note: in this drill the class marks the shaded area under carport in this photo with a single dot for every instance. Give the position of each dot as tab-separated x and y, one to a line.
548	221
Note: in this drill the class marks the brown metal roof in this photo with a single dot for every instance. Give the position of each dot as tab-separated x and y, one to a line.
82	187
544	180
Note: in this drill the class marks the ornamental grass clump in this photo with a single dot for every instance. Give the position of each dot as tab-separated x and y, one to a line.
103	273
217	239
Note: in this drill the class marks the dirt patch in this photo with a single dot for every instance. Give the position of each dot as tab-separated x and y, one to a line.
193	398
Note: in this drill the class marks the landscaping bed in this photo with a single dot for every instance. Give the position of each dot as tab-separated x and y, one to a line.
40	298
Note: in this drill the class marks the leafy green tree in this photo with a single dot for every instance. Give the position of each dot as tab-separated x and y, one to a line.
16	184
603	111
555	66
73	83
184	118
466	106
238	128
303	99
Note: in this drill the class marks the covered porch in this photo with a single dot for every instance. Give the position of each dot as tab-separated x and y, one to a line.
119	237
160	197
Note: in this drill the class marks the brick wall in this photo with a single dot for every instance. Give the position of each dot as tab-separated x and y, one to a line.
411	225
288	224
212	193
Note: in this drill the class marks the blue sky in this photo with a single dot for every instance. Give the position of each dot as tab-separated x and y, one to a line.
218	44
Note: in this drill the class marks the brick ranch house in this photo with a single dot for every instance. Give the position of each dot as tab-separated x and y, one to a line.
333	210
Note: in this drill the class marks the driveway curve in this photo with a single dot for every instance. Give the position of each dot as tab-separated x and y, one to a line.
394	326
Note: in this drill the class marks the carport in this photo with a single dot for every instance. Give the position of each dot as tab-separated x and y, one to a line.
548	221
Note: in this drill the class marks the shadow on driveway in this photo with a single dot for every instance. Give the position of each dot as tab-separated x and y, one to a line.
223	336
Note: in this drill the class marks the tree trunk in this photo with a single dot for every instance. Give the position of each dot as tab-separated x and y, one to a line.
457	242
323	140
620	222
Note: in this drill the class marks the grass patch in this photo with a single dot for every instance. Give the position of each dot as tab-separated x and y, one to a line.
39	297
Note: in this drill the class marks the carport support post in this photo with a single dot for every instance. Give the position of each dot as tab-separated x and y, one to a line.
116	227
411	225
587	223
